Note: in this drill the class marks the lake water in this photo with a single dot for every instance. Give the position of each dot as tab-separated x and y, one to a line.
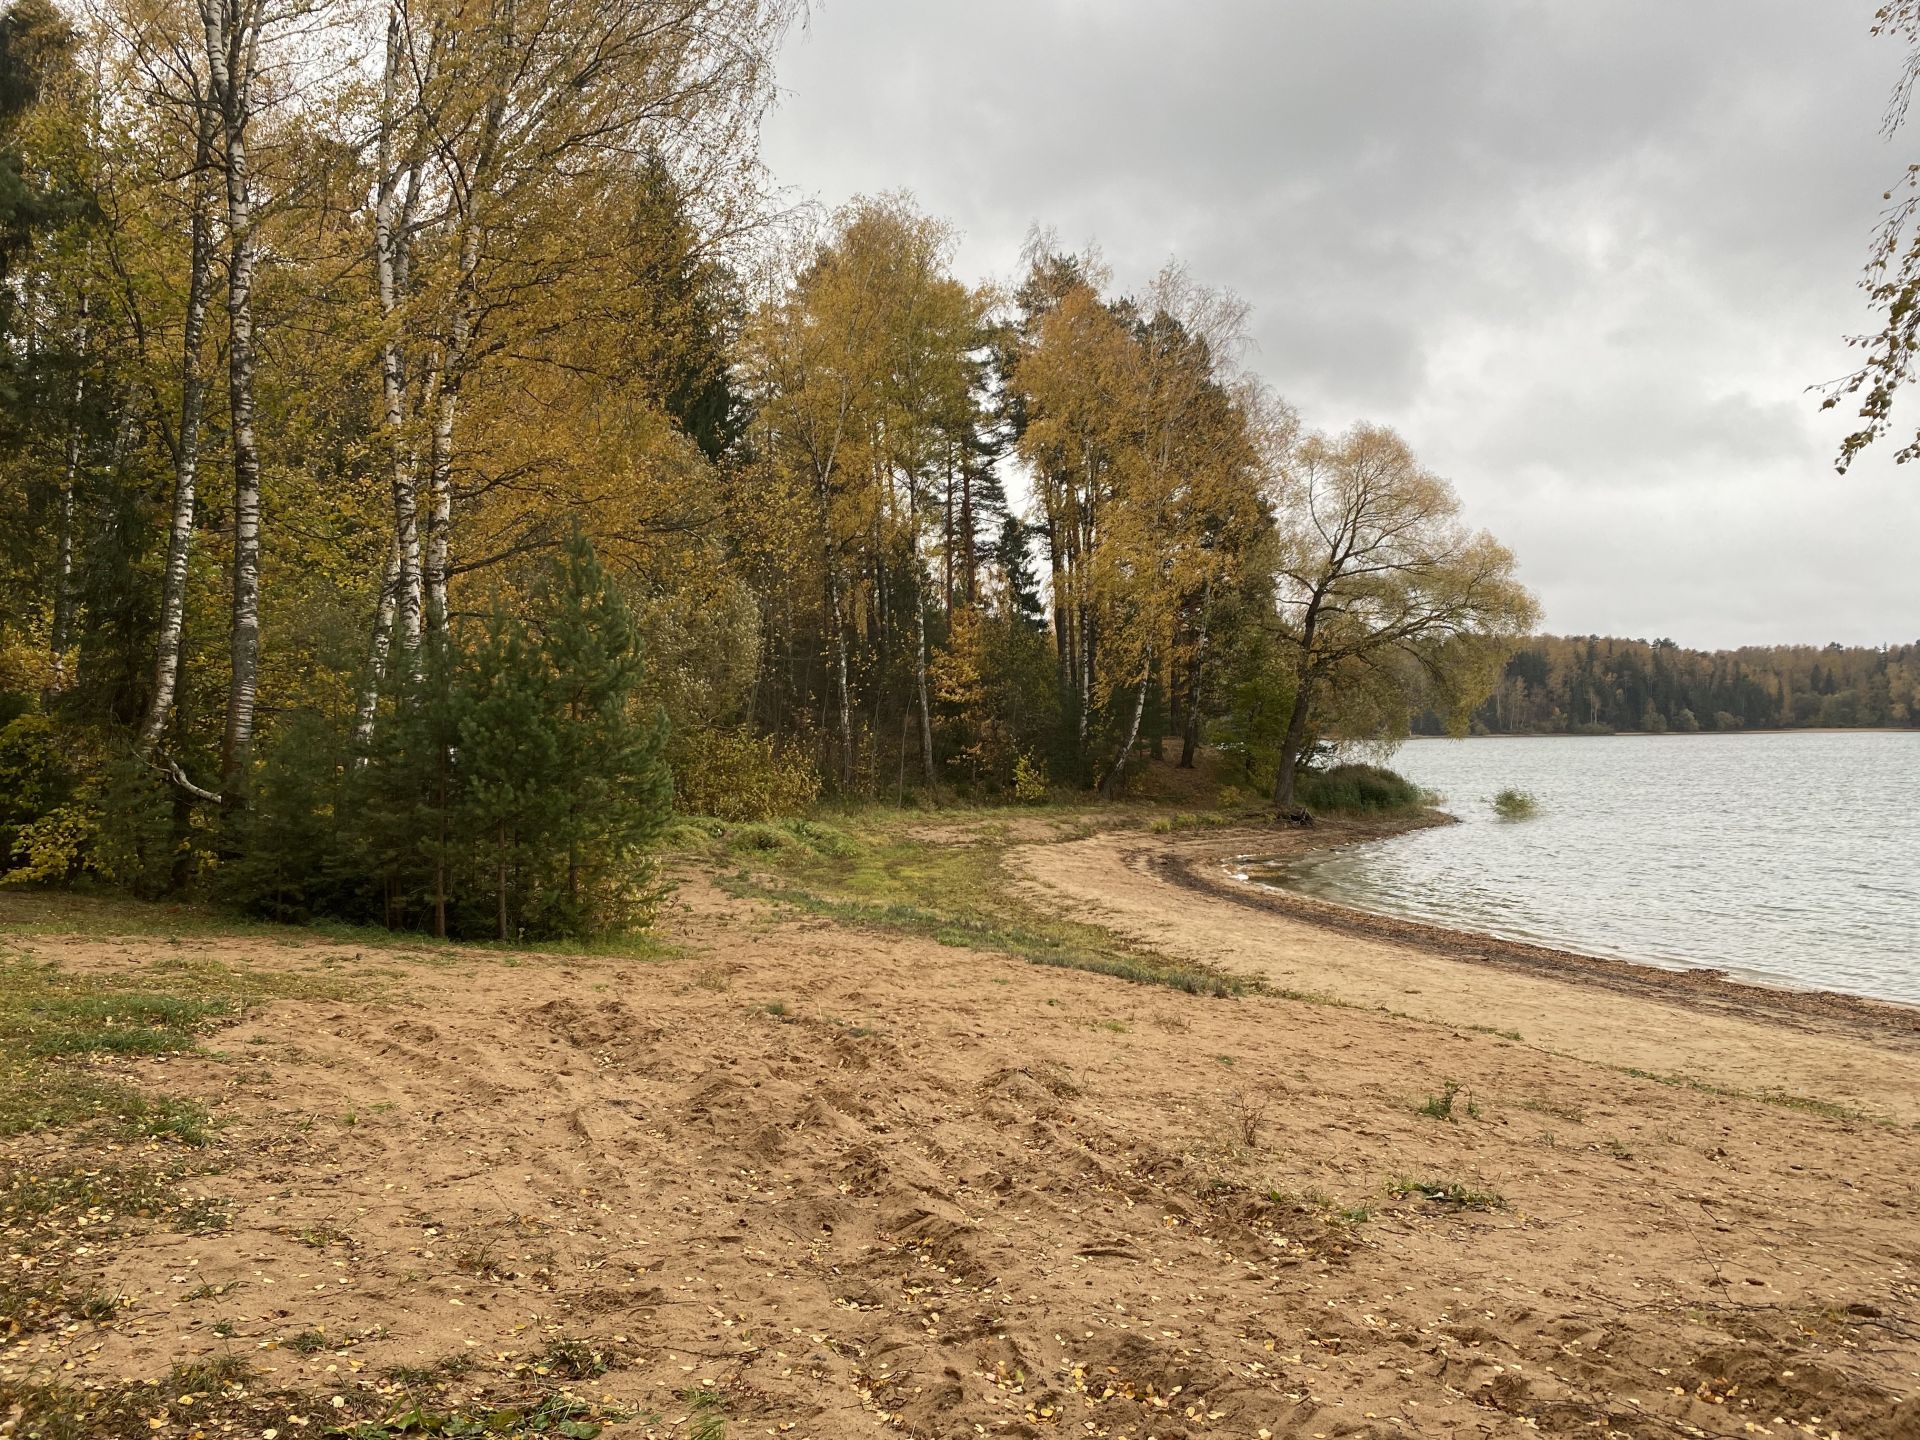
1790	858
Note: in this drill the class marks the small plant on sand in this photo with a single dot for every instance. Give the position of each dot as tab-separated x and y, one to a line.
577	1359
1512	804
1440	1107
707	1416
1495	1030
1450	1193
1245	1115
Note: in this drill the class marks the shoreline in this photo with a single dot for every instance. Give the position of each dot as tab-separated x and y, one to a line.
1202	869
1678	734
1837	1054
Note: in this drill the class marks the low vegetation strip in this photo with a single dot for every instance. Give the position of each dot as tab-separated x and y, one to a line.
973	931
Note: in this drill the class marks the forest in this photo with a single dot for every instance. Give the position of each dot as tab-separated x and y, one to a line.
431	451
1595	685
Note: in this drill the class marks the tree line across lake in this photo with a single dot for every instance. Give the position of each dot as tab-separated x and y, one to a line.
1596	685
428	451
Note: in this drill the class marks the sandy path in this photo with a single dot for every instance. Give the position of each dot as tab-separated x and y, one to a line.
1128	881
947	1194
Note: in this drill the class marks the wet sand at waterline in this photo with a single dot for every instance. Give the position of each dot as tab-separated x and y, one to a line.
1183	895
854	1182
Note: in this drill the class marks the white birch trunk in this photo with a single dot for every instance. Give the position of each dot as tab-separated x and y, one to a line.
232	35
1110	785
186	460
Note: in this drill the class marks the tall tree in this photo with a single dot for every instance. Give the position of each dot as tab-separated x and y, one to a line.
1376	573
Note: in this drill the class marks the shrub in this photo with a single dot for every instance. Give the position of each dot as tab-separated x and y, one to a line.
1029	782
1366	789
739	776
1511	804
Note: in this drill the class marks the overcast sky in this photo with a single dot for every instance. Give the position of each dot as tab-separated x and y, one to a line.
1586	257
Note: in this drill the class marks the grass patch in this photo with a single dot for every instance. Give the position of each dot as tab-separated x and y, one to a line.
1450	1194
52	1020
222	1395
27	912
1357	790
977	931
878	869
1495	1030
577	1359
1573	1114
1511	804
1805	1104
1169	824
1440	1107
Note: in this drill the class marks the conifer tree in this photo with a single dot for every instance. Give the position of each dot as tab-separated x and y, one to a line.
411	790
611	792
509	755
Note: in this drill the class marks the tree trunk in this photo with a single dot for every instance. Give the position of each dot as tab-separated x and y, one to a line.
232	33
383	617
970	589
186	458
446	402
1290	746
62	633
390	239
1111	785
440	852
844	696
1190	727
503	881
926	714
1190	717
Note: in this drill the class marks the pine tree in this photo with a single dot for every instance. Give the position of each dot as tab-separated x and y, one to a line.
611	790
287	861
410	791
509	756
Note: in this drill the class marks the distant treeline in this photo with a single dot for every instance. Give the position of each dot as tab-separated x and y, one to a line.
1593	684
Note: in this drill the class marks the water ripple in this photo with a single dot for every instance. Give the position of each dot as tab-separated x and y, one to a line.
1789	858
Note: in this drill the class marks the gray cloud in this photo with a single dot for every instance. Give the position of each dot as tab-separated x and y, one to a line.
1588	258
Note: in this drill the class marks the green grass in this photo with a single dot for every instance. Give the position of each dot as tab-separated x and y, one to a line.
46	1209
1357	790
1806	1104
879	870
1450	1194
51	1020
1511	804
1440	1107
973	930
1495	1030
707	1416
26	912
1209	820
222	1395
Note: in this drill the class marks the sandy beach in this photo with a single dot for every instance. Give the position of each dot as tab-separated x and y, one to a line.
806	1177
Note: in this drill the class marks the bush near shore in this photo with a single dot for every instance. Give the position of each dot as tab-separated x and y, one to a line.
1358	789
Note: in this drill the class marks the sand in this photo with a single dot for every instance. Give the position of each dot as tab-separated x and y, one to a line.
932	1192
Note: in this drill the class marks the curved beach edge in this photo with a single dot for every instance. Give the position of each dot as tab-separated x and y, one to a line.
1203	867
